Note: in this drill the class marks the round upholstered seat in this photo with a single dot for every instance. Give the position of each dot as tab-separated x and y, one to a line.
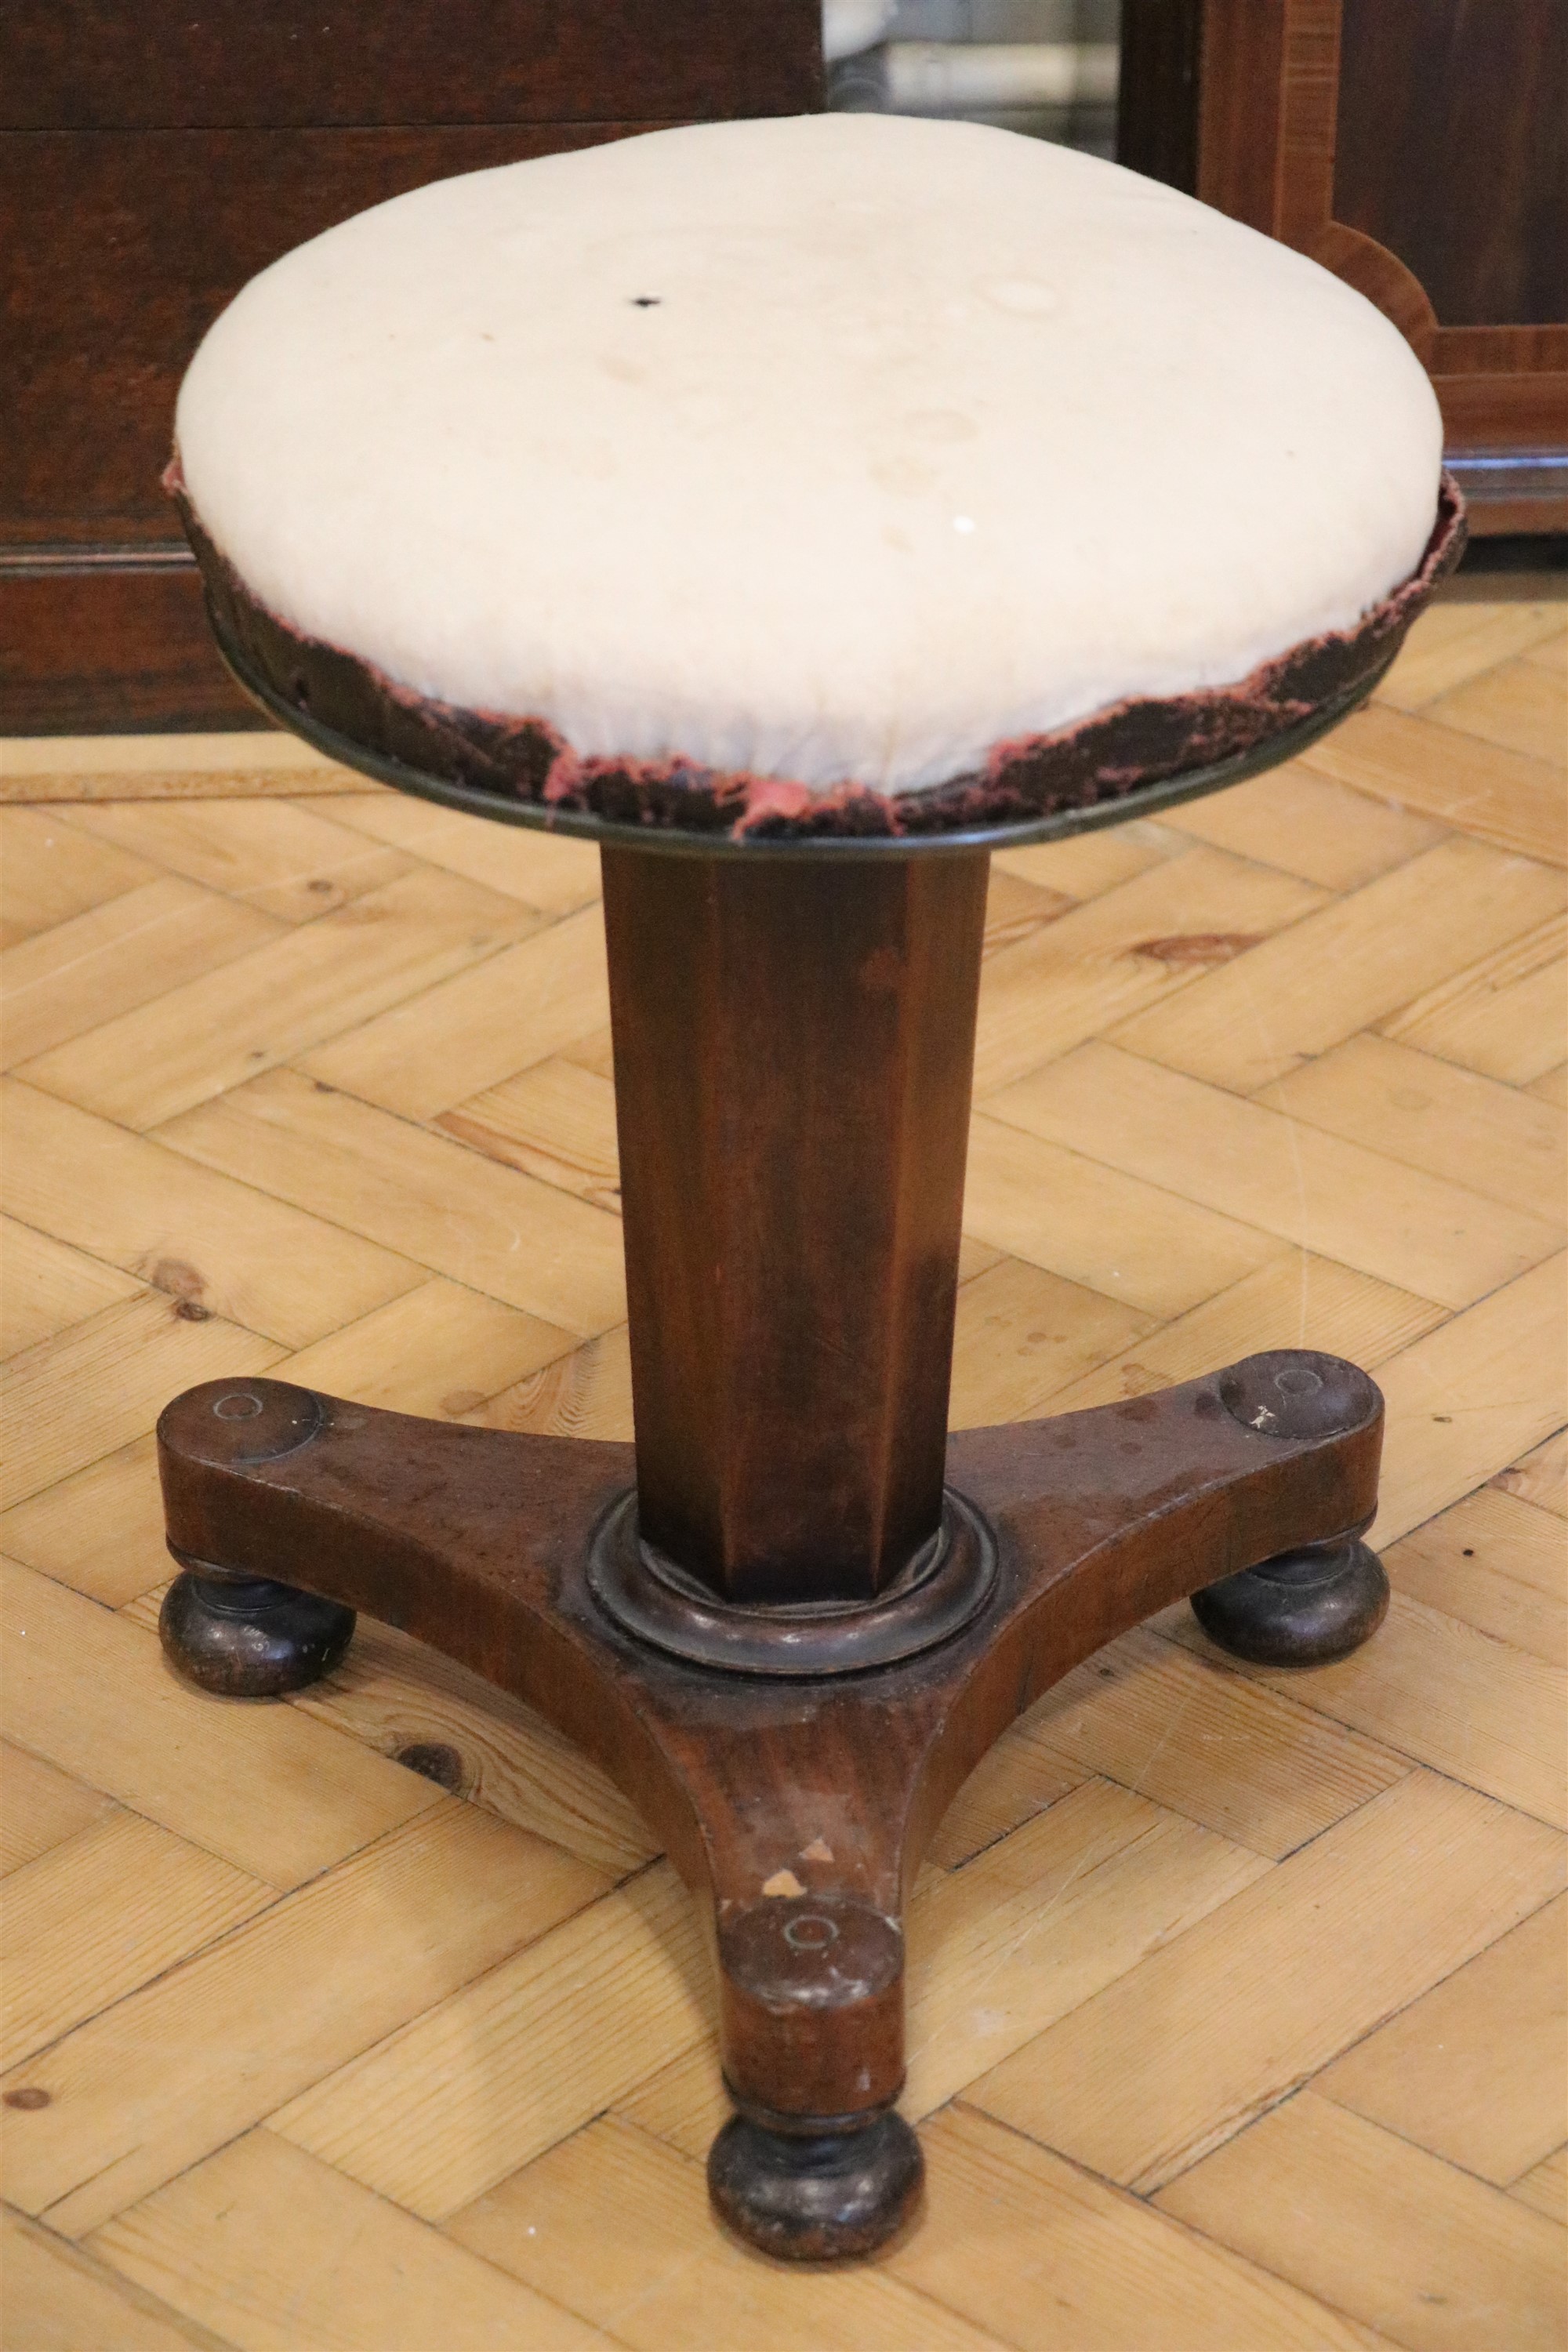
840	473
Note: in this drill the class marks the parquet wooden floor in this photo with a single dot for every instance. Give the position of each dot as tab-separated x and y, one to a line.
1237	1997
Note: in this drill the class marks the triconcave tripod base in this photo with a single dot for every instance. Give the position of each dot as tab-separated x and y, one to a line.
796	1805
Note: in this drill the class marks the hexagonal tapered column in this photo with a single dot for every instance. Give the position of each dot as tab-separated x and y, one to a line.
793	1047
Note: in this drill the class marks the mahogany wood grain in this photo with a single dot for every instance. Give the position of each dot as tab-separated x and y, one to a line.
1451	149
92	65
794	1041
782	1803
1240	105
1415	147
101	647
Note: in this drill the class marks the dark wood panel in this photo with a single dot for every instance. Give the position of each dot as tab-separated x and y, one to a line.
124	247
1502	350
1452	150
161	64
1534	514
1505	411
1157	102
1239	109
103	650
1416	148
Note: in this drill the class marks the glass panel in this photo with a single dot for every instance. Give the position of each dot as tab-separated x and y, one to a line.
1047	68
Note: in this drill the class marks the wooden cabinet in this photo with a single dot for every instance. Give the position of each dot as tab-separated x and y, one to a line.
154	156
1419	149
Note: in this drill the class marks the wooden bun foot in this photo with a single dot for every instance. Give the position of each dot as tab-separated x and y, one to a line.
248	1637
822	2194
1301	1609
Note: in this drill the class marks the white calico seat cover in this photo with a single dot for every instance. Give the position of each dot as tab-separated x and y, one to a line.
835	449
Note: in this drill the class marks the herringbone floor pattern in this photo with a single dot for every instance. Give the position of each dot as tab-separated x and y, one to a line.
1237	1998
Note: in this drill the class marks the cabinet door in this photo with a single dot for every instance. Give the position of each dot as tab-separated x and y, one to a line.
1417	148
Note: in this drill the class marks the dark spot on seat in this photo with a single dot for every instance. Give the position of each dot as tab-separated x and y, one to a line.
646	301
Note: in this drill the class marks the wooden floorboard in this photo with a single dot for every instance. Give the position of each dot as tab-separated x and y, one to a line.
1236	1997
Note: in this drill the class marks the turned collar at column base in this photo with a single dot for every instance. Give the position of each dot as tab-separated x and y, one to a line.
947	1584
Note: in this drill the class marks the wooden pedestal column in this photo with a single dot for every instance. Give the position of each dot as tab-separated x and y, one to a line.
795	1039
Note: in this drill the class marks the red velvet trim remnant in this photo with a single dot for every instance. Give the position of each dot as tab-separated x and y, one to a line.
1099	758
